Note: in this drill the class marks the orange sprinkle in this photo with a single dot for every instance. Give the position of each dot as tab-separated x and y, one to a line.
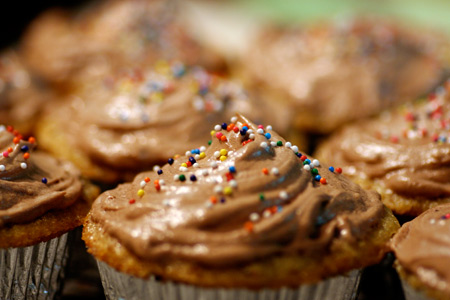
245	124
230	127
16	140
146	179
273	209
265	171
223	138
156	182
213	199
10	149
248	226
26	155
176	156
323	181
31	140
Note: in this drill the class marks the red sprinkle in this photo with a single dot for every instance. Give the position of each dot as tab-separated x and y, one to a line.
323	181
189	164
394	139
132	201
10	128
10	149
229	176
146	179
213	199
248	226
265	171
303	157
219	135
338	170
246	142
260	127
236	129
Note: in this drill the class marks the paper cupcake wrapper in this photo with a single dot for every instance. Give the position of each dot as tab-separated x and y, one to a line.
33	272
125	287
413	294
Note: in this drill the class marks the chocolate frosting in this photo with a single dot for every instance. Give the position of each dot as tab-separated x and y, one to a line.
242	200
407	150
348	70
140	118
23	194
21	97
422	247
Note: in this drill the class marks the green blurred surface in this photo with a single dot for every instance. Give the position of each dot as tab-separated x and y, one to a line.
433	13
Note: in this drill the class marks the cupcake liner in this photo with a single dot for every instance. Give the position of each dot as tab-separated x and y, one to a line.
411	293
33	272
125	287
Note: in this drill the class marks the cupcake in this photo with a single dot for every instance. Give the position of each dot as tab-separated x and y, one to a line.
334	73
131	121
402	154
69	48
41	200
422	250
21	95
252	217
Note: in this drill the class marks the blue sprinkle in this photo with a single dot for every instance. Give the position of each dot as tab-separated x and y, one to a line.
298	154
317	177
192	160
243	132
44	180
170	161
307	161
160	172
232	169
245	128
224	126
24	148
222	200
193	178
331	169
280	208
268	135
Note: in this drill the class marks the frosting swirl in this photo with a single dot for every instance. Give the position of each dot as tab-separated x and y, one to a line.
422	247
140	118
345	71
32	183
247	196
406	150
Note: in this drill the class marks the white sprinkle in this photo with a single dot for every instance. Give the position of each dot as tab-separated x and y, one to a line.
183	169
162	182
198	104
205	172
233	119
254	217
209	204
230	153
269	127
233	183
284	195
250	131
307	167
432	221
441	222
213	164
23	165
202	149
217	128
260	131
344	232
294	148
2	168
176	177
188	153
197	156
266	213
217	189
196	165
166	202
156	168
315	163
143	183
217	154
252	136
264	145
288	145
2	128
275	171
273	144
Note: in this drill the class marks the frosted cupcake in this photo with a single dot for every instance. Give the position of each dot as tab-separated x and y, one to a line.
422	249
41	200
247	212
403	154
130	122
334	73
69	48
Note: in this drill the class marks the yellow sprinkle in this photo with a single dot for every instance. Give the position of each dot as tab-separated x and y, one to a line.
162	67
223	157
223	151
157	97
213	132
176	156
141	193
184	165
202	155
227	190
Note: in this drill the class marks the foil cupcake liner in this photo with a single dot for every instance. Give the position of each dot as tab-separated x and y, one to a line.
121	286
413	294
33	272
